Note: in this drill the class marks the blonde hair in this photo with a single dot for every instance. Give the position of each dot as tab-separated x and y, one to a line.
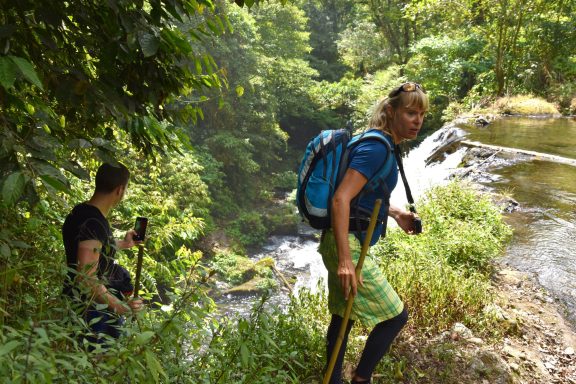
380	119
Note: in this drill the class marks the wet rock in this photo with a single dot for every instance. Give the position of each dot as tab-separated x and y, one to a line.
481	121
511	205
476	155
449	142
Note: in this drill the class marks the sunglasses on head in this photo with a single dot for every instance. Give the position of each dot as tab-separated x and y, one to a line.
406	87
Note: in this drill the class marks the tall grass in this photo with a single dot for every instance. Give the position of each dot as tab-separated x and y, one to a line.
525	105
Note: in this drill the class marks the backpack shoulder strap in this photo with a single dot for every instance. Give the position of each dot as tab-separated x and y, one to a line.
378	178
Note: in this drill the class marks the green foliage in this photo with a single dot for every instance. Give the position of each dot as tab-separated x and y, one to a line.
264	55
443	274
77	74
269	346
363	48
483	232
326	20
339	97
375	88
284	180
448	65
51	350
249	229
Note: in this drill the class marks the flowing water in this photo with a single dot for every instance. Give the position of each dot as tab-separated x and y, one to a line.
544	241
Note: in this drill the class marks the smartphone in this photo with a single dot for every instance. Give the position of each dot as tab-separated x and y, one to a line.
140	228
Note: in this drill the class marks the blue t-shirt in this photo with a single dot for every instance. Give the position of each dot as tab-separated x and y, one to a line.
367	158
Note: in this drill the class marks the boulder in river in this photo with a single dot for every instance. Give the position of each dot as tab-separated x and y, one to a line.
449	142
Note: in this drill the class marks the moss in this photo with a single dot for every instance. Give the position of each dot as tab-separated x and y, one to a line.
238	269
256	285
250	287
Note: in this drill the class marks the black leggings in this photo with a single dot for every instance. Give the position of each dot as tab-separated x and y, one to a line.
376	346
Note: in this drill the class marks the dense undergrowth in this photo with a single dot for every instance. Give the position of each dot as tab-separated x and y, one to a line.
443	276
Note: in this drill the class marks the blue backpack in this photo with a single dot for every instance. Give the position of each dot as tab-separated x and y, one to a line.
322	168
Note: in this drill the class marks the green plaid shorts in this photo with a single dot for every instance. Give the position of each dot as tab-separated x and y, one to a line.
376	300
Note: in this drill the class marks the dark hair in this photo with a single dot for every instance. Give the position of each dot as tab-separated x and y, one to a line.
110	177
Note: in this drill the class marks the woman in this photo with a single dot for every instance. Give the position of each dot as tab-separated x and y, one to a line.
398	117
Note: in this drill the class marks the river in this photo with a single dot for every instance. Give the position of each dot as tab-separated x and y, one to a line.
544	241
544	224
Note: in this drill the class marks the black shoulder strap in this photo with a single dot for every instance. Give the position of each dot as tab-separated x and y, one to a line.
398	156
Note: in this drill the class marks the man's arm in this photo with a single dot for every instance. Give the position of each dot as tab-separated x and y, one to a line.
88	256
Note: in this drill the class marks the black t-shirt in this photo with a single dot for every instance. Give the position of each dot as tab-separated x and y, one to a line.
86	222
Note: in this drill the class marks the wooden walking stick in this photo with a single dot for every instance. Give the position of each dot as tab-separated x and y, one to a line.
138	269
358	271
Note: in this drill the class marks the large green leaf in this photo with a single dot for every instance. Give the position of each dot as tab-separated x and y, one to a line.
13	187
43	168
79	143
7	72
149	44
5	251
27	70
144	337
76	169
9	346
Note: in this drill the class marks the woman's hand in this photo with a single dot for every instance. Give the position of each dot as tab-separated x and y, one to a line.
405	219
351	185
347	276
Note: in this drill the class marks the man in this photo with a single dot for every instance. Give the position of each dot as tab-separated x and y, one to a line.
90	250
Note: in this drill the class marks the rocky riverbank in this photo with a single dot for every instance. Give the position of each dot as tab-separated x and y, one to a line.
538	345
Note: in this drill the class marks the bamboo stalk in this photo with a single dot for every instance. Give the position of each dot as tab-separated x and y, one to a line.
138	269
358	272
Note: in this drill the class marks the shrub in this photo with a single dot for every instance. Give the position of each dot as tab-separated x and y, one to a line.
249	229
268	347
443	274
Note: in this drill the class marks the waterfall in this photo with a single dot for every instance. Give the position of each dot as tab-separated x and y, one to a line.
422	177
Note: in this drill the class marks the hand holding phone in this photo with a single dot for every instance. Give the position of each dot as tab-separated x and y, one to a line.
140	228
